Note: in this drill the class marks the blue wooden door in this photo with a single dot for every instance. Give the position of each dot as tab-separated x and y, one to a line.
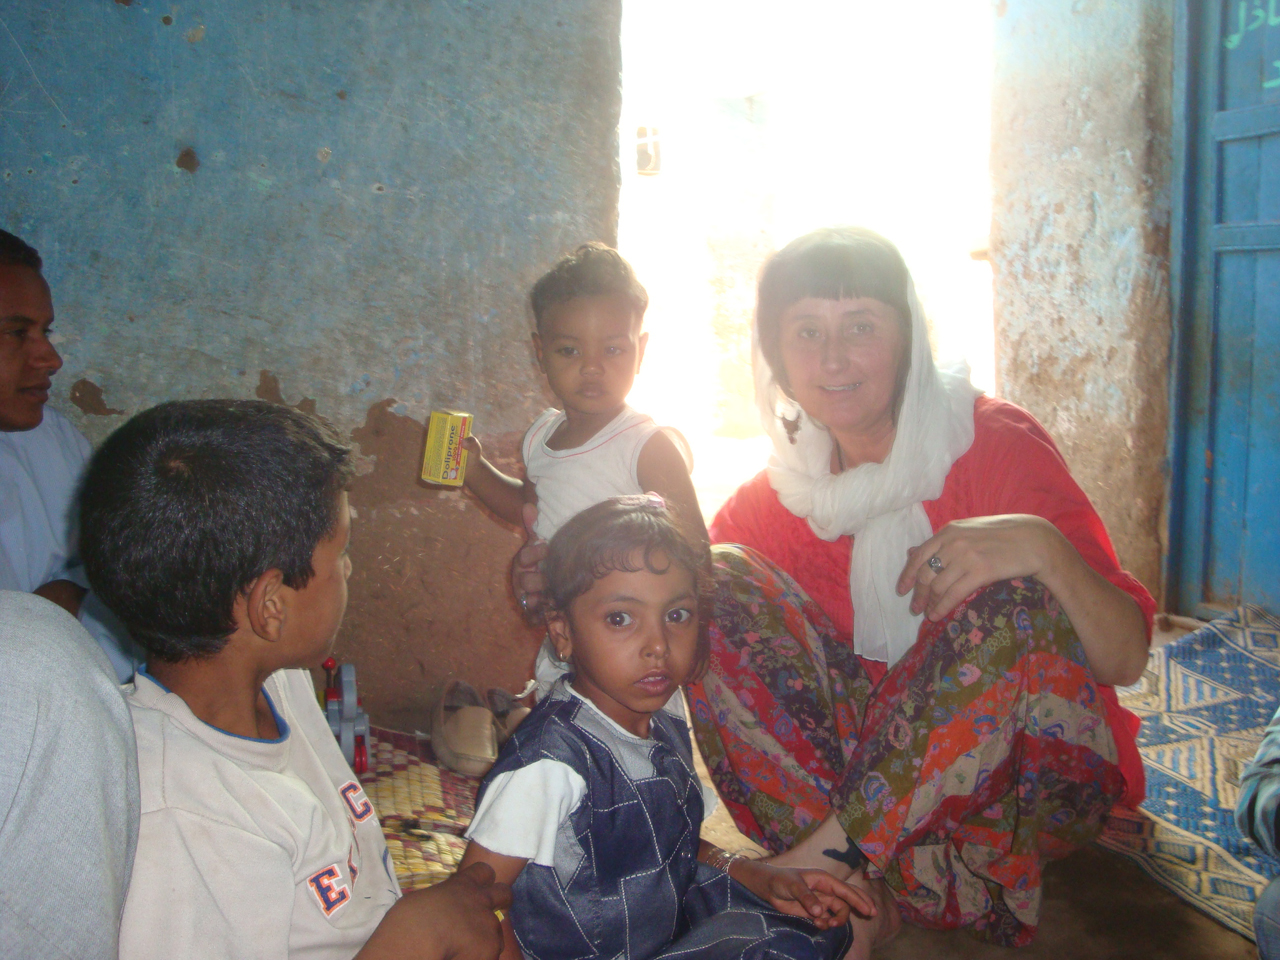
1225	506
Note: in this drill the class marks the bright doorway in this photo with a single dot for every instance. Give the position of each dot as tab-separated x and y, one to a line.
762	121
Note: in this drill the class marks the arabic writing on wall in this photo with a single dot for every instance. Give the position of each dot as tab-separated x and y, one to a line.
1252	16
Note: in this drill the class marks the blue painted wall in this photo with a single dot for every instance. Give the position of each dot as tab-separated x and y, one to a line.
339	205
377	185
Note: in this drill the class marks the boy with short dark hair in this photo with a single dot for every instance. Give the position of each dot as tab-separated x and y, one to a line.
217	531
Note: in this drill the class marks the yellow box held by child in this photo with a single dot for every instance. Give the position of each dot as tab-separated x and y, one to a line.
445	461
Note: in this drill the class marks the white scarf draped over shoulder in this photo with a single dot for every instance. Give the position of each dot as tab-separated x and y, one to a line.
878	504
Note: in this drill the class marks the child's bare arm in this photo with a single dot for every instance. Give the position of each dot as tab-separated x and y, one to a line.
506	869
453	920
504	495
663	470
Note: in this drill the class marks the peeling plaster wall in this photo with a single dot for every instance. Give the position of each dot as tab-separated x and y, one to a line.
1080	245
338	206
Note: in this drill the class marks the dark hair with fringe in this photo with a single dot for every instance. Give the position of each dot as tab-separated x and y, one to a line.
16	252
831	263
593	270
624	533
189	502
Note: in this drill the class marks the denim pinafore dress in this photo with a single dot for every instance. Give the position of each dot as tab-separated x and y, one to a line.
626	882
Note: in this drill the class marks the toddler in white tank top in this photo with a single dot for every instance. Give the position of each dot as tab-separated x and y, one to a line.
589	342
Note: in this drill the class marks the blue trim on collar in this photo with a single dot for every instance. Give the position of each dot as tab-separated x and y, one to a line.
281	724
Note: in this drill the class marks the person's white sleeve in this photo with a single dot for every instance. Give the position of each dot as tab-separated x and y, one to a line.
522	810
77	451
235	902
8	575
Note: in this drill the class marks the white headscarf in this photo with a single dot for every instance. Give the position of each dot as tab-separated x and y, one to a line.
878	504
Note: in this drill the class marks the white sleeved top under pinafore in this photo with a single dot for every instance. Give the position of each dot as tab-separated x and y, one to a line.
569	481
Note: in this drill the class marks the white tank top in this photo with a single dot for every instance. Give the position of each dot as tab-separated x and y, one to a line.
569	481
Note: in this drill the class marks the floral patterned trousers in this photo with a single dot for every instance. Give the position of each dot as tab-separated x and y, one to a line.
984	751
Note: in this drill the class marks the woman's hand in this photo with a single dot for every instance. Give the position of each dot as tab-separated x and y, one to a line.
976	553
980	551
813	894
527	581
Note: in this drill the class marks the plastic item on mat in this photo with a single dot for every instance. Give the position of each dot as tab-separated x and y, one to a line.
463	730
349	723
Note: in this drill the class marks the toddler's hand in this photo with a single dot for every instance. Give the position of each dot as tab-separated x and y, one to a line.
474	453
813	894
527	582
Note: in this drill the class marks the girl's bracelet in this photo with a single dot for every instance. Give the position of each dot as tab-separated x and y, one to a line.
722	859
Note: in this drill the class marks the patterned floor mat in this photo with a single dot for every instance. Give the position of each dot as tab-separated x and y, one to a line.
1205	701
423	807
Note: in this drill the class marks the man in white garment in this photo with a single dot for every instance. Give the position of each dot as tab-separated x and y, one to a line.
68	788
42	457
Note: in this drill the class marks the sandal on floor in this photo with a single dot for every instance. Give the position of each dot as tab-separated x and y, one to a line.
507	711
463	730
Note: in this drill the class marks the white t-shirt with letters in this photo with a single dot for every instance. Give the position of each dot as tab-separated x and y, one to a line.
250	848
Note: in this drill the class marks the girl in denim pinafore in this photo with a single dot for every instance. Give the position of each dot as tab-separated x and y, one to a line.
593	810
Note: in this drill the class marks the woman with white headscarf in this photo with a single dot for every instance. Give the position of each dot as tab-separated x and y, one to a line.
918	616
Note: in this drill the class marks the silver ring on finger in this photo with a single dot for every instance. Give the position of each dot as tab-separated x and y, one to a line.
935	564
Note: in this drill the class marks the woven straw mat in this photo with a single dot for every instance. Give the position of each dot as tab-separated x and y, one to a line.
422	807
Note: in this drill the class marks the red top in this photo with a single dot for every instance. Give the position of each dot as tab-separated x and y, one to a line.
1012	467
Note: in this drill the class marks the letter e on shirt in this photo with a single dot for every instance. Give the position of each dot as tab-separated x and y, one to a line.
329	889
